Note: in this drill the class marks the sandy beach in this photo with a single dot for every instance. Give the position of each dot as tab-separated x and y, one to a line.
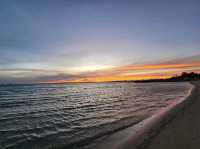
183	132
176	127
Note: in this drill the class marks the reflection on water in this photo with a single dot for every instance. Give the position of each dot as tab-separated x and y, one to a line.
42	116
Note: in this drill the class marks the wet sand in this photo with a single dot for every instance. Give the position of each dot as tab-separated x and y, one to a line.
183	132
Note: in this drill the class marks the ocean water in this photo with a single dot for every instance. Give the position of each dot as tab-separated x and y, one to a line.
74	115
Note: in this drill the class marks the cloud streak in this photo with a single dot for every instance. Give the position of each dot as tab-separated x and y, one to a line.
127	72
137	72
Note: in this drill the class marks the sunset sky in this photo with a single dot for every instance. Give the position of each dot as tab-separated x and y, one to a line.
97	40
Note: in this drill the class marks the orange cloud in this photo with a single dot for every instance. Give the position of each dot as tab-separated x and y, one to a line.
134	72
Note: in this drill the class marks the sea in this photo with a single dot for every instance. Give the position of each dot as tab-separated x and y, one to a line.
72	116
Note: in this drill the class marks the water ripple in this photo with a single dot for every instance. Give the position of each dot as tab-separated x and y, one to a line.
42	116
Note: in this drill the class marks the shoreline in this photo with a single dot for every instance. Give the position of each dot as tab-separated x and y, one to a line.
183	131
141	135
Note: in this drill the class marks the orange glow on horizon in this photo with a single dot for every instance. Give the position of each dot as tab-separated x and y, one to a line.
109	78
133	72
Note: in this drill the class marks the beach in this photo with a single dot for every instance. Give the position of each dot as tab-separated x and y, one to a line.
183	132
176	126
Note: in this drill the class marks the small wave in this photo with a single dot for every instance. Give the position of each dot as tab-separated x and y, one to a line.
71	116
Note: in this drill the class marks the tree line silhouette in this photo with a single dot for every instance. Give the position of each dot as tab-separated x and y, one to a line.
185	76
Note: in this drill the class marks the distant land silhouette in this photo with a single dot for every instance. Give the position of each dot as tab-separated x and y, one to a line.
185	76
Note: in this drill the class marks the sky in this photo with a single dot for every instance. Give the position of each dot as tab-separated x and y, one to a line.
97	40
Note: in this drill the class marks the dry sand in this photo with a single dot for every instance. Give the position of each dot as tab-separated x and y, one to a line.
183	132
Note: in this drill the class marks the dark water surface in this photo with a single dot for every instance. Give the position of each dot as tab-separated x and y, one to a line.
72	115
